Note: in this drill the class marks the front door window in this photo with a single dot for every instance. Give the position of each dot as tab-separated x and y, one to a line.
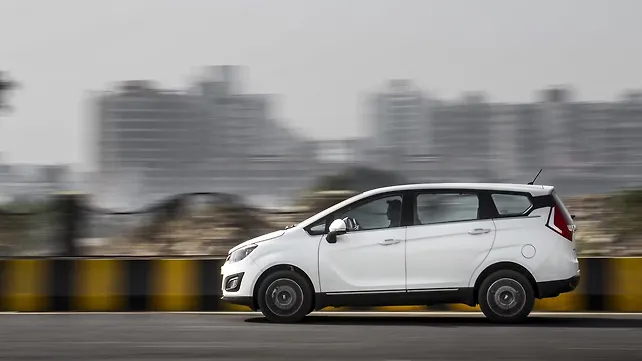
380	213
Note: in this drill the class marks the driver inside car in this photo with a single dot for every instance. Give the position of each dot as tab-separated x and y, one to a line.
394	213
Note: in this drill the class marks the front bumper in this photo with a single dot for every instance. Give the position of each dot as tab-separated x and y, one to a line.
240	300
246	271
555	288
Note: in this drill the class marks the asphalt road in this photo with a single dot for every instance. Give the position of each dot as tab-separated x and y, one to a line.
372	338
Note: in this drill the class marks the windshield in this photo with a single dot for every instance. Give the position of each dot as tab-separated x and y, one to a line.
331	209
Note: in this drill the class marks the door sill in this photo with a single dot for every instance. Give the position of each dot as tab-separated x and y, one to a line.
421	297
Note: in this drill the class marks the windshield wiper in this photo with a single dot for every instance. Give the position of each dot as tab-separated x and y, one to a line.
290	226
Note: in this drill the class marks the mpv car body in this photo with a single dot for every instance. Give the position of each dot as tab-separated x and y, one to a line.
497	245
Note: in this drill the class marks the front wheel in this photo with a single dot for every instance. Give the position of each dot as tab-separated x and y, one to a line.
285	297
506	296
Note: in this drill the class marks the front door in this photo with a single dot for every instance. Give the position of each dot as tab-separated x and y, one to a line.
370	258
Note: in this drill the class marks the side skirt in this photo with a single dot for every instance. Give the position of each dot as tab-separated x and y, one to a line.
395	298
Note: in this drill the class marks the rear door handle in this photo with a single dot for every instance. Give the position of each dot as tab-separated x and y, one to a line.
479	231
388	242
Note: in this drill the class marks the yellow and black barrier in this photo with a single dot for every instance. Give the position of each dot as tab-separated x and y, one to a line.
194	284
115	284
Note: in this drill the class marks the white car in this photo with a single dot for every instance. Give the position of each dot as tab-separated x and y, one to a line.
497	245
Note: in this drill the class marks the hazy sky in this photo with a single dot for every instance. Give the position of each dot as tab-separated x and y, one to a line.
320	55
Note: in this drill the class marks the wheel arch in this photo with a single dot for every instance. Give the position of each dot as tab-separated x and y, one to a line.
275	268
500	266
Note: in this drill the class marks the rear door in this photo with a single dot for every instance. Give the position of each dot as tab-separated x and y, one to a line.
450	238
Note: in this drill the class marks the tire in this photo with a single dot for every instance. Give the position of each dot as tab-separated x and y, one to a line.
285	297
506	297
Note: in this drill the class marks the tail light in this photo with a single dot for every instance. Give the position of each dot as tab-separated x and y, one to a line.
559	223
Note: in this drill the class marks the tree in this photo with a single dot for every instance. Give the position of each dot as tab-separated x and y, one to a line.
6	85
626	214
26	226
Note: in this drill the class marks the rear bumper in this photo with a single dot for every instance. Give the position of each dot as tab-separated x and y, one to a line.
555	288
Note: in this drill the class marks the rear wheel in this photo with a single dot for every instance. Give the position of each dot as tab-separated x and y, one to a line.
285	297
506	296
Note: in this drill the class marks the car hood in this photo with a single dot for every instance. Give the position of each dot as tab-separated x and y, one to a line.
263	238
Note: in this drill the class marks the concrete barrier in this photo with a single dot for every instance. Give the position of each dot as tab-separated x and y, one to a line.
194	284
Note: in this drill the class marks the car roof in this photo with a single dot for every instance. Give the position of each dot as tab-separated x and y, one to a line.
534	190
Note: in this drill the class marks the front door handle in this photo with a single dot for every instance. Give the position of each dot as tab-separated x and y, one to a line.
479	231
388	242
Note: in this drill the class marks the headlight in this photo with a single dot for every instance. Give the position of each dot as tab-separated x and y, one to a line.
240	254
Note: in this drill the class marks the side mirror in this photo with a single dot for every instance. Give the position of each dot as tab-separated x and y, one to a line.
337	227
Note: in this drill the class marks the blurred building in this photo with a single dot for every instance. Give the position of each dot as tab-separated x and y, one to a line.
427	139
144	131
506	136
400	119
214	136
211	138
31	182
339	151
587	146
624	140
582	146
335	156
462	139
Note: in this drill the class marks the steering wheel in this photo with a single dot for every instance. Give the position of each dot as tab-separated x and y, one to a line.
351	224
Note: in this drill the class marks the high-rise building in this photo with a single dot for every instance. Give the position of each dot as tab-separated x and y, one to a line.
624	137
503	153
211	137
461	139
400	115
148	132
580	145
556	124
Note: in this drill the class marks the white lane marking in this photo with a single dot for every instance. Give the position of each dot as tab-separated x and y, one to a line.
246	345
606	348
204	344
188	343
209	327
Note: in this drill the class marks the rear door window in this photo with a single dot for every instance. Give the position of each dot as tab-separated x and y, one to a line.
432	208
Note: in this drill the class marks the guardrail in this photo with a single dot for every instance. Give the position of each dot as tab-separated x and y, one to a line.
194	284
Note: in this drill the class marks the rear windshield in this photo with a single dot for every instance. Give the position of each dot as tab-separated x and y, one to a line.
560	204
